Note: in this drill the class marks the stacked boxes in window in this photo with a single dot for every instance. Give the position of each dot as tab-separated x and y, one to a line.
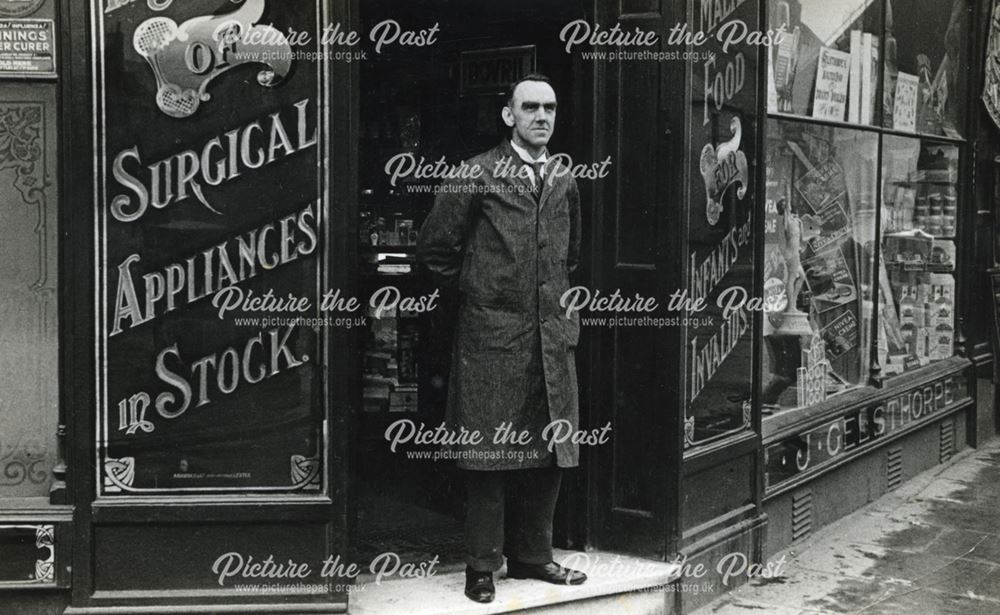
926	316
404	398
381	375
941	316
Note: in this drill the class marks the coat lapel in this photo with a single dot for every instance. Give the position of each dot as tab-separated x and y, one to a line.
550	182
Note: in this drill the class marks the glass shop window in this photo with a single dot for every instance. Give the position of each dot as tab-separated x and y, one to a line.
847	86
29	324
916	283
925	76
819	231
826	65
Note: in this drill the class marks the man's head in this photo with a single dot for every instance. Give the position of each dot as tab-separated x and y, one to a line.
531	112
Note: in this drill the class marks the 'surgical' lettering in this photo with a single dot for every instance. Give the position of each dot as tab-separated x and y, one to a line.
220	160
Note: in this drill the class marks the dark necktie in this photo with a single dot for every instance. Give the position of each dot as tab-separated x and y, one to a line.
537	167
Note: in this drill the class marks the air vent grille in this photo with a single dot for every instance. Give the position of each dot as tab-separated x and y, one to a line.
802	515
947	440
894	468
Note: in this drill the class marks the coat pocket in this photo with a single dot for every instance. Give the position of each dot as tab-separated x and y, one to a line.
571	329
483	329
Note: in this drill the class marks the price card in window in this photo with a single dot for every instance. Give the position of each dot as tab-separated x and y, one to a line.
830	94
904	113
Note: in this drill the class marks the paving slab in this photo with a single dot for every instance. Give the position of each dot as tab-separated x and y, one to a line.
930	547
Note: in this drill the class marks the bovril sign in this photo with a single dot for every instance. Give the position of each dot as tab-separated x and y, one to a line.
811	450
490	71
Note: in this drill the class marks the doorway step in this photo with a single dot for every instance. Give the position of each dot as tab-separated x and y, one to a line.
616	584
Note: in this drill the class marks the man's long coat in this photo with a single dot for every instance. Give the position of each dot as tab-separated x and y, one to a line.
510	252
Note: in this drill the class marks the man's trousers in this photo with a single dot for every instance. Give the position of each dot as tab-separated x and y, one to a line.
509	512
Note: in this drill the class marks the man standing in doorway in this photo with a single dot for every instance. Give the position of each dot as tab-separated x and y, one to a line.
509	238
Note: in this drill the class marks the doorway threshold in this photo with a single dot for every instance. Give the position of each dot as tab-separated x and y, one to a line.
616	583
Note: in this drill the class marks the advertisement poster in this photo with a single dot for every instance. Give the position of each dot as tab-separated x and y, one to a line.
832	72
429	307
27	47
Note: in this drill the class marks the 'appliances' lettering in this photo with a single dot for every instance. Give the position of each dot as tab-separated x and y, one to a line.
216	268
220	160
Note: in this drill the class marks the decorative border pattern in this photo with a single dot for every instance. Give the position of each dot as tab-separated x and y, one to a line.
305	472
44	569
119	474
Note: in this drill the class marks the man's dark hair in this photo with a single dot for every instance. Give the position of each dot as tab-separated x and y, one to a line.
528	77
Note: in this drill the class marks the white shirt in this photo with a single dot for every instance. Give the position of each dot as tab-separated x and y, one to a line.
526	157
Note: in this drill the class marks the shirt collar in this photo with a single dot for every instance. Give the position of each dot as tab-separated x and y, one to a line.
526	157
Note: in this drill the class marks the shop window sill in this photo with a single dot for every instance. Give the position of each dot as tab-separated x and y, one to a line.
32	508
779	426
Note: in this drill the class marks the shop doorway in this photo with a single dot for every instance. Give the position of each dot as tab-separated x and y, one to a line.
440	99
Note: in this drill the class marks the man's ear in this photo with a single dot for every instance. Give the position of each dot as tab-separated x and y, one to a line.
508	116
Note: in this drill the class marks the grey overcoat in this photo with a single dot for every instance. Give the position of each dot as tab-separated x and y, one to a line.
510	253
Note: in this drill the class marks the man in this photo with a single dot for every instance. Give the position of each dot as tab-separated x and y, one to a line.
509	239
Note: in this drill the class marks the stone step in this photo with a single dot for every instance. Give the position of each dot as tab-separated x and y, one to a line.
615	584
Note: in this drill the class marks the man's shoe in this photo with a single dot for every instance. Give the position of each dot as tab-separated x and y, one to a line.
479	585
550	573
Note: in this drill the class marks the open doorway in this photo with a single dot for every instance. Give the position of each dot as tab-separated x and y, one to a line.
442	99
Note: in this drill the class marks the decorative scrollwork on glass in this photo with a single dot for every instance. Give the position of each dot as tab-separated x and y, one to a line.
305	472
23	461
119	474
21	148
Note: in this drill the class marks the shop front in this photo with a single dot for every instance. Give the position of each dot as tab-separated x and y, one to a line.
217	325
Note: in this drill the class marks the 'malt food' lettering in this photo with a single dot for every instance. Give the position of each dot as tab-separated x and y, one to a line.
220	160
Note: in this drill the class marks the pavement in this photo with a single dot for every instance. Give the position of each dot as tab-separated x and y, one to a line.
931	547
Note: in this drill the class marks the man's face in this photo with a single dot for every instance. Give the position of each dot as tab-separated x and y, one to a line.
532	114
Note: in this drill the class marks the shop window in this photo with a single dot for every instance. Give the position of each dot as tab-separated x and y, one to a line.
916	284
924	81
827	64
829	143
28	308
819	233
825	43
